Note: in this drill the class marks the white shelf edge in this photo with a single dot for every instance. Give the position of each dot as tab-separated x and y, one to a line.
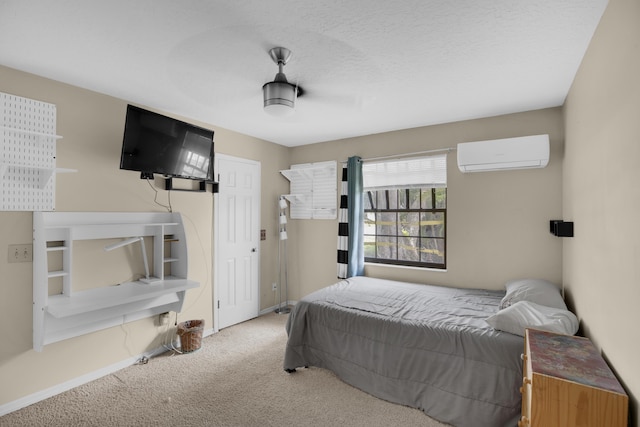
30	132
291	174
123	224
293	198
61	306
26	166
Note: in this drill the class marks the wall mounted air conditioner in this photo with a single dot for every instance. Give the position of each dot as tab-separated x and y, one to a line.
503	154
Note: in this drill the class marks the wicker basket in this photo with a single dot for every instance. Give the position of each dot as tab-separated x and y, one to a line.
190	333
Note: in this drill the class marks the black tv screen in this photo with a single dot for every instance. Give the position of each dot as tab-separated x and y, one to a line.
154	143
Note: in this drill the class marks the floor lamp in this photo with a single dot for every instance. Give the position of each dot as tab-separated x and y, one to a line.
282	257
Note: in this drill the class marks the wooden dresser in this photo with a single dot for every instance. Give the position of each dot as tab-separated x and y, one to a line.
567	383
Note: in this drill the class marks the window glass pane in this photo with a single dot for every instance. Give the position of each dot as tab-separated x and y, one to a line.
432	224
409	225
427	200
393	199
402	199
369	223
414	198
408	249
432	251
386	248
381	200
386	224
368	200
369	246
441	198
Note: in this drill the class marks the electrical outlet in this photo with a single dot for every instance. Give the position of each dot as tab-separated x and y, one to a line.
20	253
274	287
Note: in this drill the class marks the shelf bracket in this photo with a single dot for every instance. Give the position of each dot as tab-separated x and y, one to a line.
202	186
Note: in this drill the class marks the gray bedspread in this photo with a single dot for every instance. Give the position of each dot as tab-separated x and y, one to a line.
423	346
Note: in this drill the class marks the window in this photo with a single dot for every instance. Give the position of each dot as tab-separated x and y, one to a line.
405	211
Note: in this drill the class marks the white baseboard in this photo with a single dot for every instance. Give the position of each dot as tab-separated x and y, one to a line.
107	370
68	385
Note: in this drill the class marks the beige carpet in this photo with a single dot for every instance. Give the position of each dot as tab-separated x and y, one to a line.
235	379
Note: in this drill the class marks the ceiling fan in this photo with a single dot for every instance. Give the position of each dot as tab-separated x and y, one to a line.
280	95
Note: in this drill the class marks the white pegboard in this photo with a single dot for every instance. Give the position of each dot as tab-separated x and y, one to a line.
28	154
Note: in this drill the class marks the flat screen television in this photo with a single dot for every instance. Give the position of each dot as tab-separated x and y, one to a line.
154	143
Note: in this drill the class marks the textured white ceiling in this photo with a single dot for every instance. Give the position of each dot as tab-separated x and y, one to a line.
365	66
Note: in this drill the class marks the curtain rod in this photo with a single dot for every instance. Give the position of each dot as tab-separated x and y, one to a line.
398	156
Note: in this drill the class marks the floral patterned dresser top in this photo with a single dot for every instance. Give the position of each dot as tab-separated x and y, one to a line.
572	358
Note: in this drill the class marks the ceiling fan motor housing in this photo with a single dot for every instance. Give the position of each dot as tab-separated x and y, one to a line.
280	94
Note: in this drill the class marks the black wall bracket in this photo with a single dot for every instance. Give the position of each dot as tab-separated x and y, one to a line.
202	186
560	228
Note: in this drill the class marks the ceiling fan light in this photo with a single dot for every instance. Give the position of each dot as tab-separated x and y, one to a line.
279	98
278	110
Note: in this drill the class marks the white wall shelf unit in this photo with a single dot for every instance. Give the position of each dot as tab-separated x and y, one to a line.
313	190
27	154
72	313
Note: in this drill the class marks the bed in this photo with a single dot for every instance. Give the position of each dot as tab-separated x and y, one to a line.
424	346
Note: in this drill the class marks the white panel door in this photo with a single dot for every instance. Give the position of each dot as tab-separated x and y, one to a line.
237	237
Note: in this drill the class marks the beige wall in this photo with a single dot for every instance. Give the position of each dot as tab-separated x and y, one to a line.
91	125
498	222
602	192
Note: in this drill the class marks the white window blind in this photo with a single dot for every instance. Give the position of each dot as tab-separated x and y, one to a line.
313	188
429	171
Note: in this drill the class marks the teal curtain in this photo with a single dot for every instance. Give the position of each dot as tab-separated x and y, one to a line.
355	205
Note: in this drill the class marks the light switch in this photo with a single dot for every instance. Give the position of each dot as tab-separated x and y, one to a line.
20	253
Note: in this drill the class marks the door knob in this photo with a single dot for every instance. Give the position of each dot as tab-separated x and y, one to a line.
254	249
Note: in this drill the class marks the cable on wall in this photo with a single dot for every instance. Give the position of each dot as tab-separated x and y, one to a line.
155	197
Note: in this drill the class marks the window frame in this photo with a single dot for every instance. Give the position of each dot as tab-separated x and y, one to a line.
407	209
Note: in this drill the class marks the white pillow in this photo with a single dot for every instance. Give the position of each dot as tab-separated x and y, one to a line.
538	291
525	314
